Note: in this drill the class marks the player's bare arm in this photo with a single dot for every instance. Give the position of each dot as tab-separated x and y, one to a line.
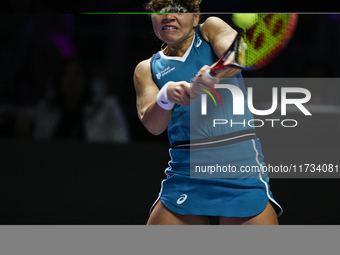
220	35
155	118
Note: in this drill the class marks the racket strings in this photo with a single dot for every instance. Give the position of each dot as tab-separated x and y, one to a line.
265	38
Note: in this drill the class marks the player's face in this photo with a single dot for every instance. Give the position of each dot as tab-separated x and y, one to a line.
174	28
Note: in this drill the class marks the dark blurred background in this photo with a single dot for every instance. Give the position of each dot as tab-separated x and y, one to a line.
57	170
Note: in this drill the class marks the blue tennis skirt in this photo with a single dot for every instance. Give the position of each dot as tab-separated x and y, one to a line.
217	181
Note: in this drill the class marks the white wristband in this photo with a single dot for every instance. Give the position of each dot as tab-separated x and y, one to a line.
162	98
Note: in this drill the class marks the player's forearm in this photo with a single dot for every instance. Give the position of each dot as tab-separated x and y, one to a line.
155	119
228	73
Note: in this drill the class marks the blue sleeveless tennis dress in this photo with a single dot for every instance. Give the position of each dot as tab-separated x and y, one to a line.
226	194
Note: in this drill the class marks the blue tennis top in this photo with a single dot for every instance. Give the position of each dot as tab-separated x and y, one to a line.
167	68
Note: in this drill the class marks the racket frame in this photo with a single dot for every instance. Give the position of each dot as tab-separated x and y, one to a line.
219	67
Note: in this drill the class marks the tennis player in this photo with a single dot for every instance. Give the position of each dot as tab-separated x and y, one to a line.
164	98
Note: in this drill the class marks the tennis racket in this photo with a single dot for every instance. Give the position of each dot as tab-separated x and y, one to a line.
259	44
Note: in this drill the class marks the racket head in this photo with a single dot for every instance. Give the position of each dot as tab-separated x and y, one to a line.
263	41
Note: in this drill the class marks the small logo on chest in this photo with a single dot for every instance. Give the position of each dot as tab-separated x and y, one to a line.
198	42
165	72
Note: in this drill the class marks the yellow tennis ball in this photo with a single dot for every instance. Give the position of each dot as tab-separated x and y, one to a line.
244	20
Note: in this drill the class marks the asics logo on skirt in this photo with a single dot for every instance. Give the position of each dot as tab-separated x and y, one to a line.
181	199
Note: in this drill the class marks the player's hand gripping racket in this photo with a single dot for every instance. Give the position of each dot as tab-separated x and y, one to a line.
259	44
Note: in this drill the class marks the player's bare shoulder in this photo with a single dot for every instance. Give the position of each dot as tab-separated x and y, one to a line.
143	68
213	21
218	33
214	26
142	72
